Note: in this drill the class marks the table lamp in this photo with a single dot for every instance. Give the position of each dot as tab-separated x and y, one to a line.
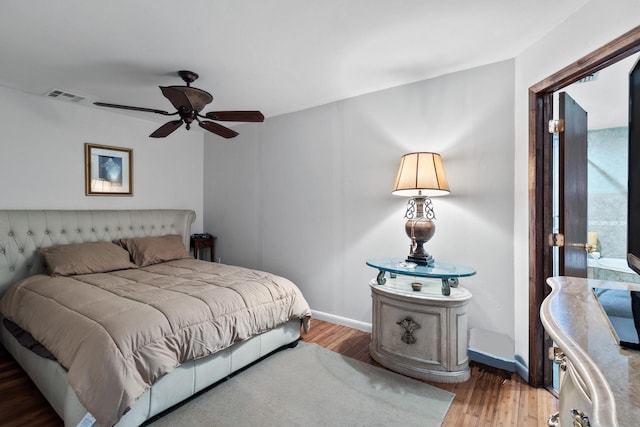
420	176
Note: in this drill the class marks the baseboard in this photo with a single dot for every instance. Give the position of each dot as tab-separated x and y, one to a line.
492	349
522	369
492	360
338	320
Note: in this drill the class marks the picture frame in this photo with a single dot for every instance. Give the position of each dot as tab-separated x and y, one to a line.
108	170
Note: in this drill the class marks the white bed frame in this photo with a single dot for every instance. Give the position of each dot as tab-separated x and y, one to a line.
23	232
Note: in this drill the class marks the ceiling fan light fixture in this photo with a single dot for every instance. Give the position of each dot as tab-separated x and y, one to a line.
198	98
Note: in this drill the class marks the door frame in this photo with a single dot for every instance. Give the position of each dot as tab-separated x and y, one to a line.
541	184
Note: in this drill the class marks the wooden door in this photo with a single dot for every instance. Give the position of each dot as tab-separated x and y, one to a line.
572	202
572	188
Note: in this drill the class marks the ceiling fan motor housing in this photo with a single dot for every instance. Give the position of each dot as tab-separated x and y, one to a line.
188	76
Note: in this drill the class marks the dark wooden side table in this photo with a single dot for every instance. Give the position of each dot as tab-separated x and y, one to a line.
202	241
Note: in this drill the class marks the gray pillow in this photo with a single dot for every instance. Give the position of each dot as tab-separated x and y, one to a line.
153	250
85	258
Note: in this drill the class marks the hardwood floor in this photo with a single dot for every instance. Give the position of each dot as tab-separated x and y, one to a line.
489	398
21	404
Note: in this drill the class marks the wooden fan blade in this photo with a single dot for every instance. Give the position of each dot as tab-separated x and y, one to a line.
166	129
236	116
224	132
127	107
177	98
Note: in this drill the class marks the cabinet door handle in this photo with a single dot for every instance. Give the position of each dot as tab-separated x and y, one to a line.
561	360
554	420
579	418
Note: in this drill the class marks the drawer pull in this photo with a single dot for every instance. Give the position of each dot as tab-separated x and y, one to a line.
561	360
579	418
554	420
409	326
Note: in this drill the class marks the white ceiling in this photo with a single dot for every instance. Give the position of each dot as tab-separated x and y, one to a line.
277	56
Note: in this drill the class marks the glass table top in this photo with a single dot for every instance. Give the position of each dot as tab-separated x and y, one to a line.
437	270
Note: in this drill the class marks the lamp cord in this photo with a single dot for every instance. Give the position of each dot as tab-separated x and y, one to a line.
412	246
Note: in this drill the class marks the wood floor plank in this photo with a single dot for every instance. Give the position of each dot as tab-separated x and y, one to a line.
508	404
489	398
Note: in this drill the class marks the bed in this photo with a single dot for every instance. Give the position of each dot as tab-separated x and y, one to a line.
165	357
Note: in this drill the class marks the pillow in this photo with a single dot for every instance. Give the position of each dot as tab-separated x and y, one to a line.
85	258
153	250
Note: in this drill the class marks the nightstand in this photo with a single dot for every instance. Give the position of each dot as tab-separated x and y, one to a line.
203	241
419	324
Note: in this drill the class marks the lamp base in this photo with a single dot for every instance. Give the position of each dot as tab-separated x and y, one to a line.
425	259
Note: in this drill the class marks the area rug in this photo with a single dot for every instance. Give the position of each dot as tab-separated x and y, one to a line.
311	386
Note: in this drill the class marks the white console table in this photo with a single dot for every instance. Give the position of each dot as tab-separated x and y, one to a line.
422	334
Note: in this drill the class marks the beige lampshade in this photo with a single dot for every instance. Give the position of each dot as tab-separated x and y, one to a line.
421	174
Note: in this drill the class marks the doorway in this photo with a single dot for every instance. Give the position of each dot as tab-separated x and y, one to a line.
590	152
605	96
541	219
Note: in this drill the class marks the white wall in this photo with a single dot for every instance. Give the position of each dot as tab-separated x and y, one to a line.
308	195
303	219
42	157
597	23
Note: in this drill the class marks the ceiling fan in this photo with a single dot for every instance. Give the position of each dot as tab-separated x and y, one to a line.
189	101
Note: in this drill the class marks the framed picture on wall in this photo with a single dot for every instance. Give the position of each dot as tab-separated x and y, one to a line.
108	170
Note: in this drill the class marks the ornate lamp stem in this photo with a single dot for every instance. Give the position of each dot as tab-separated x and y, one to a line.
420	228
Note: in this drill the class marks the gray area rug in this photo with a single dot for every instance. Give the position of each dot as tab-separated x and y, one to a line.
311	386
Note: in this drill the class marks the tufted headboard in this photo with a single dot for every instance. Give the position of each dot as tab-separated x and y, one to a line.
24	232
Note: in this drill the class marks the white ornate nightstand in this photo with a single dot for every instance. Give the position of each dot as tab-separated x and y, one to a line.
420	333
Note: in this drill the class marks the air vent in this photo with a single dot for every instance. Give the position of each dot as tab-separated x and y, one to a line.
65	96
589	78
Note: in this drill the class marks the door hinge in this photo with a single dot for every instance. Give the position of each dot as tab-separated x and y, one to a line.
556	239
556	126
